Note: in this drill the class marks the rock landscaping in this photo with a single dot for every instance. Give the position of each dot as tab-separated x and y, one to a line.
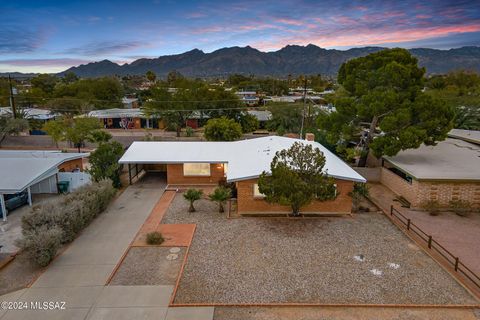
351	260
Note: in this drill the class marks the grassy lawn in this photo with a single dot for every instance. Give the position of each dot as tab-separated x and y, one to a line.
278	260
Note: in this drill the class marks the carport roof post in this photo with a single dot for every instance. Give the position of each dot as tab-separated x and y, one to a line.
4	208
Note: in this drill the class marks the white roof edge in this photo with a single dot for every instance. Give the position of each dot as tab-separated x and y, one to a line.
363	180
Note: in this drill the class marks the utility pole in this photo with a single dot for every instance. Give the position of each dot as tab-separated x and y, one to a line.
12	99
304	103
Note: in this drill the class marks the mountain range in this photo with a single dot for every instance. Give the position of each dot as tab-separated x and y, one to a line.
292	59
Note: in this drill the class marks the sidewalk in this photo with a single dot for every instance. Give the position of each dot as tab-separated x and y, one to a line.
459	235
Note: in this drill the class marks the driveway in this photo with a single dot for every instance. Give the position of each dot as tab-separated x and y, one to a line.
78	276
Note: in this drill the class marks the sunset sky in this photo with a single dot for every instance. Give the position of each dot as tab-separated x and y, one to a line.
50	36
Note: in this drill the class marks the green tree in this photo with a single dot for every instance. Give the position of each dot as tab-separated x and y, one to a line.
56	129
296	178
383	90
81	130
222	129
192	195
100	136
45	82
220	195
104	162
10	126
248	122
151	76
286	117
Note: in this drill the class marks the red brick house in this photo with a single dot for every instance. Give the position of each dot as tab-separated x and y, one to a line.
240	162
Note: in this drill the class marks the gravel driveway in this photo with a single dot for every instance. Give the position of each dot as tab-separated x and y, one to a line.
364	259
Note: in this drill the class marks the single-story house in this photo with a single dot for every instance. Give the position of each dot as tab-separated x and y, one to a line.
116	118
35	171
240	162
445	172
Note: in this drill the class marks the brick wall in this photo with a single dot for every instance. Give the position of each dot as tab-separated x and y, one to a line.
400	186
419	192
175	175
69	166
248	204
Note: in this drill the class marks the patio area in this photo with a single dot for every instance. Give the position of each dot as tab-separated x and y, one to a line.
359	260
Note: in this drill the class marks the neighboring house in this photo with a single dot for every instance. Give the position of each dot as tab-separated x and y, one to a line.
445	172
250	98
124	118
240	162
130	103
33	171
263	116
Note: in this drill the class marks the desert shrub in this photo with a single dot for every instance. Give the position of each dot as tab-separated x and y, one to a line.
189	132
220	195
432	207
461	207
41	245
70	213
154	237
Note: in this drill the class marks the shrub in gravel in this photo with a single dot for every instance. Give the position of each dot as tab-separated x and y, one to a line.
41	245
192	195
154	237
70	213
432	207
220	195
461	207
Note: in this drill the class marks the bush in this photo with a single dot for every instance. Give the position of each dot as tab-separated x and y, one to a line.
70	213
220	195
432	207
460	207
41	245
189	131
222	129
154	237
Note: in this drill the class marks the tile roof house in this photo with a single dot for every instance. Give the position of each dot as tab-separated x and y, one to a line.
240	162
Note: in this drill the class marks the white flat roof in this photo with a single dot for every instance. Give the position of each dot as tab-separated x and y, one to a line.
245	158
452	159
21	169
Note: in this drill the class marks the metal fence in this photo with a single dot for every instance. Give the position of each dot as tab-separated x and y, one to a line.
433	245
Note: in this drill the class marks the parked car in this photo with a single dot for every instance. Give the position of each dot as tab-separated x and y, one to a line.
13	201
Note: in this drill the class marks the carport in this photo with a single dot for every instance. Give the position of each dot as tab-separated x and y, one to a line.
31	171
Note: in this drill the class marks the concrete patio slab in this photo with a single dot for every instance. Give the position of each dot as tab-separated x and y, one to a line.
155	313
194	313
134	296
74	276
74	297
70	314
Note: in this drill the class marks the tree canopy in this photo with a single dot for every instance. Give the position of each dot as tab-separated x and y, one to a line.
104	162
296	178
222	129
383	92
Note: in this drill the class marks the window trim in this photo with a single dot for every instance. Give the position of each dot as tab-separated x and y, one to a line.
197	175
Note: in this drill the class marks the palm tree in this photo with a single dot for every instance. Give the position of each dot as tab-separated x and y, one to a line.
192	195
220	195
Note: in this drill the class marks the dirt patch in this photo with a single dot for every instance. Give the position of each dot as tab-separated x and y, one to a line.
149	266
18	274
359	260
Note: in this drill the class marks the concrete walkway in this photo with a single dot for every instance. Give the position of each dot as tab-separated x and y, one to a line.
79	275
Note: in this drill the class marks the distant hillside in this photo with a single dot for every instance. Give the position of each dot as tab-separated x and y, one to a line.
291	59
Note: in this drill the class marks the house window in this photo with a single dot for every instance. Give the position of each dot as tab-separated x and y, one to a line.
256	192
196	169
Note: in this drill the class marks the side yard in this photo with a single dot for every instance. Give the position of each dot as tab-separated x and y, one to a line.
459	235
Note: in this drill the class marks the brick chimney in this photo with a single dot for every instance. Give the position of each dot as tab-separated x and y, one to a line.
309	136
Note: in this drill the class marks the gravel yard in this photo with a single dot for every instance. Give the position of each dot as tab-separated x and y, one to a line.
149	266
357	260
